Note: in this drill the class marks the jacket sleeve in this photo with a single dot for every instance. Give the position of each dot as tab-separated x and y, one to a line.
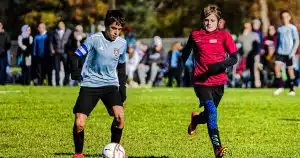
189	47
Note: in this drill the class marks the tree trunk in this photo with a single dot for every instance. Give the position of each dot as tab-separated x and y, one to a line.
264	16
112	4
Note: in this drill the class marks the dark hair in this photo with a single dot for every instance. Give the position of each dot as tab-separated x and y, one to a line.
114	16
60	21
284	11
211	9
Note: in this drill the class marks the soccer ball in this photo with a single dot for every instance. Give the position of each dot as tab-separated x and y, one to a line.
113	150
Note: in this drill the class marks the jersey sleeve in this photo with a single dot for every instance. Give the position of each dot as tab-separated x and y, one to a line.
295	39
188	49
122	58
229	44
85	47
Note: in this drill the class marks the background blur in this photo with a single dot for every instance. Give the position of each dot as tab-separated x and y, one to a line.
165	18
153	27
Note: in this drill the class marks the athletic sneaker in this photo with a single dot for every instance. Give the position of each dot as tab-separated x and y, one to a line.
220	153
192	127
292	93
278	91
78	155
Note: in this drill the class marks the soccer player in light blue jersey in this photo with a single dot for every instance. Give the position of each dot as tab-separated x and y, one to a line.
102	77
287	44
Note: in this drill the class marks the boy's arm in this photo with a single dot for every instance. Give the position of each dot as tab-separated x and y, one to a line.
221	66
121	68
296	42
81	51
190	45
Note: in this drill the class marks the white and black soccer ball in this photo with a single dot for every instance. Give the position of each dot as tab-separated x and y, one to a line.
113	150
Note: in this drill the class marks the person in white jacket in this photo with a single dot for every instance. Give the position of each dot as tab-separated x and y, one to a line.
25	41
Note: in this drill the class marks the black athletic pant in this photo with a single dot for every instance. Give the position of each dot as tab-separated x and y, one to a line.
26	75
57	59
175	73
3	64
44	67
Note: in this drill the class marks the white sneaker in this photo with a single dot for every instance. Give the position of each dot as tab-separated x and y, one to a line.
278	91
292	93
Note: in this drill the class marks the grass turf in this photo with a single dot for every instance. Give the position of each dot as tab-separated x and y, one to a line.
37	122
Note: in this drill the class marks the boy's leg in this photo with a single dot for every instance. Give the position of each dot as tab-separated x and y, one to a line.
86	101
278	80
78	132
218	94
291	76
202	92
212	123
117	124
111	98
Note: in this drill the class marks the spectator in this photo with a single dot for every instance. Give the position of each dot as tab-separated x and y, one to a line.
4	47
151	62
249	41
60	40
297	57
75	41
42	55
141	49
130	36
267	58
256	28
287	44
132	61
175	64
25	41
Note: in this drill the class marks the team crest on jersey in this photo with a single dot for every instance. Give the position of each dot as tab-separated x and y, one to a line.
213	41
116	52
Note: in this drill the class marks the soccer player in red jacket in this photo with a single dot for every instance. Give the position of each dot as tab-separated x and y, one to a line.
210	45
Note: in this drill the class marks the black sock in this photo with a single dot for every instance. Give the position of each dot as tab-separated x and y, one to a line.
116	133
291	84
78	138
215	138
201	118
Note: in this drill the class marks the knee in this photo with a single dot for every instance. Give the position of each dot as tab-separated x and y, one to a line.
120	119
80	124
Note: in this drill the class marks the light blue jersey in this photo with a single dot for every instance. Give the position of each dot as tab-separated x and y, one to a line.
103	57
287	40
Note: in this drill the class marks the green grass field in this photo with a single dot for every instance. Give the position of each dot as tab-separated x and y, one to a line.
37	122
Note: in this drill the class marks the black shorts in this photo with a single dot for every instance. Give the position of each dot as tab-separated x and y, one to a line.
284	59
89	97
204	93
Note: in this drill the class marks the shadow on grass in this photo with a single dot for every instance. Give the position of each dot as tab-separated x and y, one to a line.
100	155
292	120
